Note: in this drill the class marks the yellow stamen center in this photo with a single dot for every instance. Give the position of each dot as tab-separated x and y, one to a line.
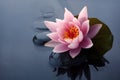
71	33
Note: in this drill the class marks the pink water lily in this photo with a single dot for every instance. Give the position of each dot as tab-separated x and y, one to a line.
71	34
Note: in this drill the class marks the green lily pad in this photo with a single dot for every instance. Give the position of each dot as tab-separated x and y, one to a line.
102	42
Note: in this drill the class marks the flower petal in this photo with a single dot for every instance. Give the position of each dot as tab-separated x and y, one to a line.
83	15
74	52
85	27
80	36
60	32
51	44
94	30
86	43
74	44
68	15
77	22
58	20
50	25
53	36
60	48
68	40
62	29
62	41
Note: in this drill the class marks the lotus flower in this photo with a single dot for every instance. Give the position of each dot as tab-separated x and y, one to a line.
71	34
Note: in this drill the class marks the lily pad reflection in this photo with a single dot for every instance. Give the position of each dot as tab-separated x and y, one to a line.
63	63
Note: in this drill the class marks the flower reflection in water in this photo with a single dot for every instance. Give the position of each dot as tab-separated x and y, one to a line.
63	63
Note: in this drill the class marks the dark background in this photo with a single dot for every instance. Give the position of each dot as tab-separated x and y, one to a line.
20	59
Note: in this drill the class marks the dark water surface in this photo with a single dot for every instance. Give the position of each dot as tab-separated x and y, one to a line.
20	59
